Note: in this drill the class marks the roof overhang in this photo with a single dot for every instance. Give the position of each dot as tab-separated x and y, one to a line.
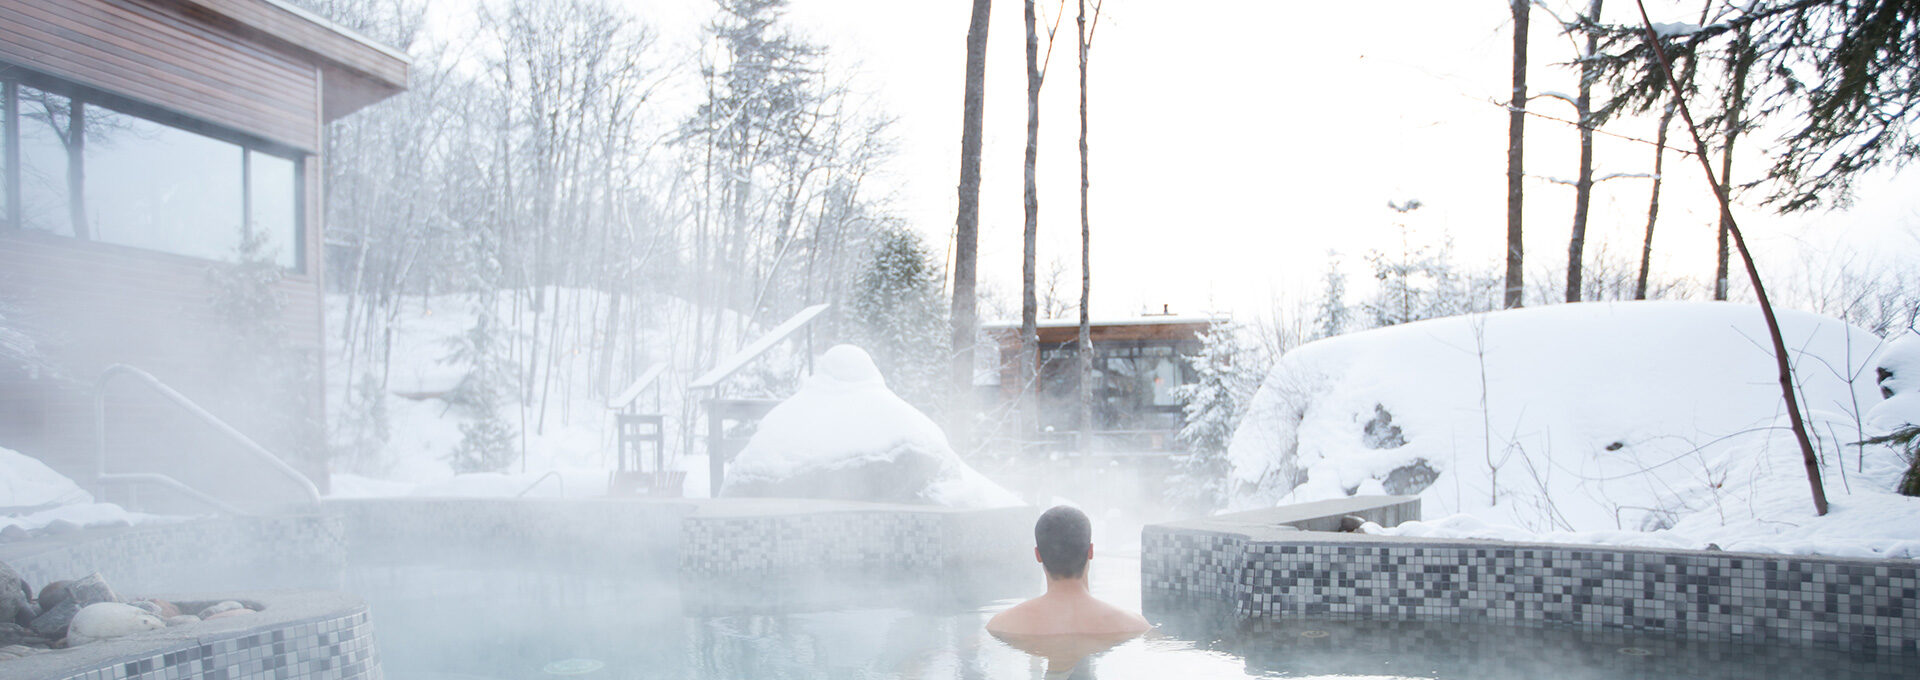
355	70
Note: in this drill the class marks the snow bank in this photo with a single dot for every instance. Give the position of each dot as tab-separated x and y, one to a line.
1654	423
1898	372
32	496
845	435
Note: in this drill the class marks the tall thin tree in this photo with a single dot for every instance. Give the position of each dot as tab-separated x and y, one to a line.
1583	188
1085	29
1516	130
1739	61
1029	358
967	226
1659	164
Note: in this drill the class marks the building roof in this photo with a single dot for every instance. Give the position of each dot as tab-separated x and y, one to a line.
356	70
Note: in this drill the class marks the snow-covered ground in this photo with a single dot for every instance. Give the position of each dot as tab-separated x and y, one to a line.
573	435
1655	423
33	496
845	435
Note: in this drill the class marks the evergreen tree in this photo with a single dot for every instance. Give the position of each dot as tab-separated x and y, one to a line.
1229	372
896	313
1334	315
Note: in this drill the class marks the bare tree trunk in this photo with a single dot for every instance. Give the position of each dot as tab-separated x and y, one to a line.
1028	358
1085	346
967	228
1737	96
1583	189
1653	205
1729	228
1516	127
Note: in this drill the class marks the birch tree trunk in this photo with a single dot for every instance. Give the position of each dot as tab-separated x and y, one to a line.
1028	357
1583	188
1085	346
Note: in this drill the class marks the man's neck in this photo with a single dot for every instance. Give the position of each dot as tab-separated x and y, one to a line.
1075	586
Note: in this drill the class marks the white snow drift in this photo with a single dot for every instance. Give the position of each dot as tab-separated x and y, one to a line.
33	496
1651	422
845	435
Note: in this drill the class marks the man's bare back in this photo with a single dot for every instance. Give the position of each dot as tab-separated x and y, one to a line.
1064	545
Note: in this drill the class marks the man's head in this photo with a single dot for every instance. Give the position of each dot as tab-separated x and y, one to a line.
1063	540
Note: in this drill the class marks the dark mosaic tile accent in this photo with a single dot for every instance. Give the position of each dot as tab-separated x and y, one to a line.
333	648
1854	604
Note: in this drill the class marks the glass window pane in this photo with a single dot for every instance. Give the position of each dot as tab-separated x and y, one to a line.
45	119
153	186
274	211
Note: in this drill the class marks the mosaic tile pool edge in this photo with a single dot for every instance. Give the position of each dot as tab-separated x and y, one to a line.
1865	605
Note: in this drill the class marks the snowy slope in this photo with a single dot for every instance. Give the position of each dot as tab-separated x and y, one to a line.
32	496
1601	421
574	436
845	435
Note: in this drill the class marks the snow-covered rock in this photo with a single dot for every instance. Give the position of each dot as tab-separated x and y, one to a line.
107	620
1595	422
1898	372
844	435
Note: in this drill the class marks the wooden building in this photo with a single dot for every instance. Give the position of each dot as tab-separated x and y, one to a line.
145	143
1137	364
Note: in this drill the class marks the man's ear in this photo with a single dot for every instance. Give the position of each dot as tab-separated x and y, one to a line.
1036	554
1089	551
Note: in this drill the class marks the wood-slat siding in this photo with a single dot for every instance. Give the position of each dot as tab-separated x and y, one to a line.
163	55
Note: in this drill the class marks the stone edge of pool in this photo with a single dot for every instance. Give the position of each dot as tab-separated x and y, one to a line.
297	635
1265	568
319	634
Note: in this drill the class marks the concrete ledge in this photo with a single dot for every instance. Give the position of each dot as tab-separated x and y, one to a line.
146	557
295	636
1268	574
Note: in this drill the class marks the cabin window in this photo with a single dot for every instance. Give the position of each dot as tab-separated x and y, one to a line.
119	173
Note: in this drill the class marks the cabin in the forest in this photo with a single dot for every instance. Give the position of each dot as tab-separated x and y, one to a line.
161	209
1137	364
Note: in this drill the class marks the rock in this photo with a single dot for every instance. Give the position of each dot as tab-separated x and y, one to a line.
220	608
91	590
1411	478
1351	523
60	526
228	614
14	532
167	609
16	599
1380	432
17	651
182	620
52	594
147	606
106	620
53	623
16	634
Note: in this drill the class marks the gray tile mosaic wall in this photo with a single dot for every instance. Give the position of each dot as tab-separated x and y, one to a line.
143	558
1856	604
332	649
896	537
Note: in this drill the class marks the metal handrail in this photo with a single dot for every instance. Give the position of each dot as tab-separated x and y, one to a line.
247	443
555	474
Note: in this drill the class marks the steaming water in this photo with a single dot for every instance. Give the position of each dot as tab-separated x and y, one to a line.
504	623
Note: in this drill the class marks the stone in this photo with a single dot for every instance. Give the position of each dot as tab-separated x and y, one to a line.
14	532
147	606
16	599
1352	523
1411	478
53	622
182	620
16	634
166	608
220	608
92	589
52	594
228	614
107	620
1381	433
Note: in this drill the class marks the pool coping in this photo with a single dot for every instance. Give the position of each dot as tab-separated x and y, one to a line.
184	645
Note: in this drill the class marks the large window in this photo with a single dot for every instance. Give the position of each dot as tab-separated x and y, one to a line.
104	171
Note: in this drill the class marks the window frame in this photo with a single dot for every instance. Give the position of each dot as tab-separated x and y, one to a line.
13	76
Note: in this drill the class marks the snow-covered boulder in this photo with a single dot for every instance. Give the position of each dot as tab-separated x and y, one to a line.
1898	372
1584	417
844	435
107	620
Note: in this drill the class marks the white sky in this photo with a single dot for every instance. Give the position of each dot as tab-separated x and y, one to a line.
1235	142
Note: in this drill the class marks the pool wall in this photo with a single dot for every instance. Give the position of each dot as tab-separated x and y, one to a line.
151	556
1270	572
295	636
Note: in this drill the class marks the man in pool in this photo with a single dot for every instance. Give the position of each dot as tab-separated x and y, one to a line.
1063	544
